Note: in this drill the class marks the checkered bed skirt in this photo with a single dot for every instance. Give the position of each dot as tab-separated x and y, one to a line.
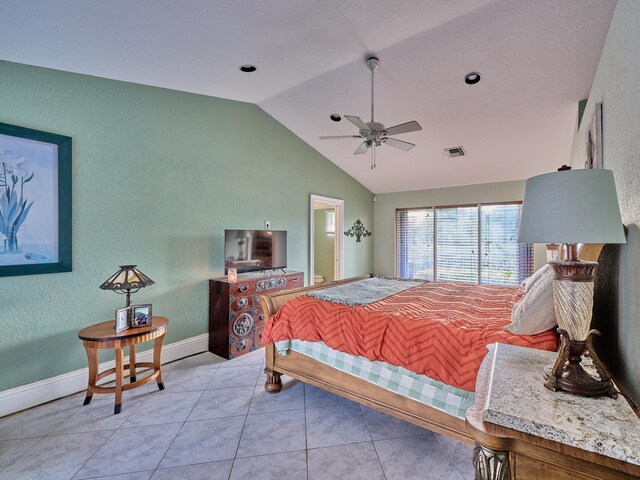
398	380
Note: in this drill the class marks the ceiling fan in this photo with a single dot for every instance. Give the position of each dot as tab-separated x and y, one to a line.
375	134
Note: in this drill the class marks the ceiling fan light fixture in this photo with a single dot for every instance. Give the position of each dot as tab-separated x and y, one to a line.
472	78
375	134
247	68
335	117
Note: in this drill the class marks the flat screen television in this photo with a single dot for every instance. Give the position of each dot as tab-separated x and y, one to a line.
252	250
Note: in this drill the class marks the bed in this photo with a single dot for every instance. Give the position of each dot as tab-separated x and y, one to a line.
441	410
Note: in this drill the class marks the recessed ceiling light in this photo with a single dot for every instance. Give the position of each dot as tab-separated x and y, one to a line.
335	117
472	78
248	68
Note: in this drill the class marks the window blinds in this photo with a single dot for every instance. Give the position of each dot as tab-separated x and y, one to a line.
472	244
414	243
457	244
503	260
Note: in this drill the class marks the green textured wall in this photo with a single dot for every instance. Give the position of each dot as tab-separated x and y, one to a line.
157	176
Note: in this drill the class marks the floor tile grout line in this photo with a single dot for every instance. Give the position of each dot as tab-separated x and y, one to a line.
113	430
39	438
109	438
19	456
340	445
169	447
375	449
94	453
453	460
177	433
253	401
235	456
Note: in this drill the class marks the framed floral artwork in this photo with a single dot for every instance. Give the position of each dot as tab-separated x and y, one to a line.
35	201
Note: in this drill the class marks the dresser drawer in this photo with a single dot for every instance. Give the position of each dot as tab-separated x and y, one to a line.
236	319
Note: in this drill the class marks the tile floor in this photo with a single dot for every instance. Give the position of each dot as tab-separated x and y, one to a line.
214	421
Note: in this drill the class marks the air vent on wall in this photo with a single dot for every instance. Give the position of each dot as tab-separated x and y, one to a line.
455	152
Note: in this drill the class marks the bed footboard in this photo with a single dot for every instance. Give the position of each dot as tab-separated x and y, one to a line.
271	303
308	370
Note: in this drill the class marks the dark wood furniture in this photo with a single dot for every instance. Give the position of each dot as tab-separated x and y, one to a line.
102	335
236	319
555	436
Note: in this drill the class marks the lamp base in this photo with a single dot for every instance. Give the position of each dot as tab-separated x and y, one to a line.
568	375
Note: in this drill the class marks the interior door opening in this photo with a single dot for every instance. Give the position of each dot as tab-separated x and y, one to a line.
326	231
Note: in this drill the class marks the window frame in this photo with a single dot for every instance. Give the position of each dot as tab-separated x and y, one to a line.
434	208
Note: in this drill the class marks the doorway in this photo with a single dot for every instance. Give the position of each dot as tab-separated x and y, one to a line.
326	232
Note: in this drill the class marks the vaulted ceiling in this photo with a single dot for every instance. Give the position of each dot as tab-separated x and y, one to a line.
537	60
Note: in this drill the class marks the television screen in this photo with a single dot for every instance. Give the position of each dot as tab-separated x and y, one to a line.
250	250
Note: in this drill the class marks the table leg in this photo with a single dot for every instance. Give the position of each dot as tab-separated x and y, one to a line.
157	367
92	357
119	378
132	363
491	464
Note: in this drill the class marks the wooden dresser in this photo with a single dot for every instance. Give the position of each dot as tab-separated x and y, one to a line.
524	431
236	319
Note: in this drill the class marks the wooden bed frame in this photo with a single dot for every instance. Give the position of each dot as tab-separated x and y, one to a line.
316	373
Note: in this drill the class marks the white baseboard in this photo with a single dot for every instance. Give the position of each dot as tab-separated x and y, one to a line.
27	396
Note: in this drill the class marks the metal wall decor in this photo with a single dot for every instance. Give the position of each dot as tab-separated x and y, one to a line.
358	230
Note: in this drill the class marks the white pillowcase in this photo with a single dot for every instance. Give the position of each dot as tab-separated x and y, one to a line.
537	275
535	312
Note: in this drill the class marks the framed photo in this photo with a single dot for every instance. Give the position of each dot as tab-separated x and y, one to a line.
593	140
141	315
35	202
122	319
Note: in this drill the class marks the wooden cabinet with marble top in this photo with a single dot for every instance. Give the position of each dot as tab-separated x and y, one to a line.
524	431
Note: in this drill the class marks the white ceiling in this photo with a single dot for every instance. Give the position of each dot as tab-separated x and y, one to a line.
537	60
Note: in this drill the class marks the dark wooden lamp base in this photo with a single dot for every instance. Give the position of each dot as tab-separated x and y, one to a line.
568	375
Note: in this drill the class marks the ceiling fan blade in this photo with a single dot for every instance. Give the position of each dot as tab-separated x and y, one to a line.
404	128
406	146
361	149
332	137
357	121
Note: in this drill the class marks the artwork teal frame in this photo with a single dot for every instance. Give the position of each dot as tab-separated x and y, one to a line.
28	155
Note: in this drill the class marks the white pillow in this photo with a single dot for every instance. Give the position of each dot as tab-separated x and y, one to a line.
537	275
535	312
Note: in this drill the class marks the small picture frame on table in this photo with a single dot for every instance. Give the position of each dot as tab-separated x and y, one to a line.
122	319
141	315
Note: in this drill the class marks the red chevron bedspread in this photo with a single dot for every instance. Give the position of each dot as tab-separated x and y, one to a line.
436	329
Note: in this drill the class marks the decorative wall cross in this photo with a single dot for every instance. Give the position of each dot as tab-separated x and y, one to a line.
357	231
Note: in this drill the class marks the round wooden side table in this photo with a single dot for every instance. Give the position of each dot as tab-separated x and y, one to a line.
103	335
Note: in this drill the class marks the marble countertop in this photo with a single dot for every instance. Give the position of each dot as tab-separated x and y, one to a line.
517	399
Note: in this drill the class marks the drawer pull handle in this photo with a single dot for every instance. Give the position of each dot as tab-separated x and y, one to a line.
243	302
295	279
243	288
